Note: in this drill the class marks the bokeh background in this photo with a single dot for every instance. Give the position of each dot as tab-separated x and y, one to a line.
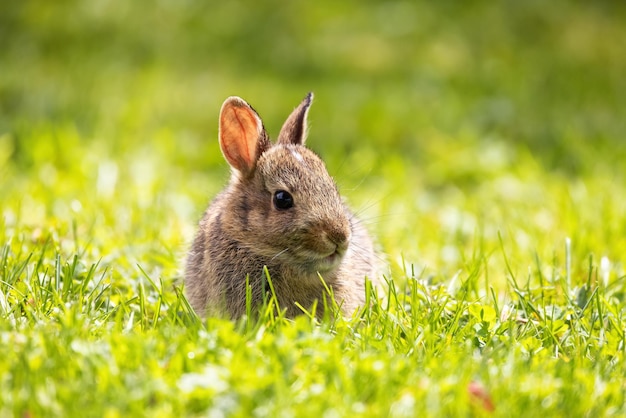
455	128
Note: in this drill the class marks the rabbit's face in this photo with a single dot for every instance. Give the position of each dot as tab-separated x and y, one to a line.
304	220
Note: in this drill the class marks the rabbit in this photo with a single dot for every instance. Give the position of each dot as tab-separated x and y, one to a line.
281	210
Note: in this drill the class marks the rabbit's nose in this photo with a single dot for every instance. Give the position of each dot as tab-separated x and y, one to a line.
338	235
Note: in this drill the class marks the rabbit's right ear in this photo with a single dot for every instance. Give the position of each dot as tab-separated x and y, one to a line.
294	128
242	135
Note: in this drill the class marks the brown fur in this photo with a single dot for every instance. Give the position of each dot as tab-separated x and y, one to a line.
242	231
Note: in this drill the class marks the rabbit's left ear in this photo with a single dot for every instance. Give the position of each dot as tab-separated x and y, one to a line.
242	136
294	129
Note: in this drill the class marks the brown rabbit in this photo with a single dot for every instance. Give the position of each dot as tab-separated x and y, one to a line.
281	210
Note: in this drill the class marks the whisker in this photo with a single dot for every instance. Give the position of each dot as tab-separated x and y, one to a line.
366	207
363	176
359	184
375	219
279	254
376	254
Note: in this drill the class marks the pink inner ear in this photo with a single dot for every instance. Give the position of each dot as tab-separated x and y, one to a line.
240	128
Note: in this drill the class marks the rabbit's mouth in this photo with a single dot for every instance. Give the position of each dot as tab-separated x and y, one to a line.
329	262
316	257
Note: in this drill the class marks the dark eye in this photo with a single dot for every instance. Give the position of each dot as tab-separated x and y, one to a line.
283	200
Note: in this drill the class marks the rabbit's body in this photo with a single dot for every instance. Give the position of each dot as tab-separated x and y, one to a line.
281	210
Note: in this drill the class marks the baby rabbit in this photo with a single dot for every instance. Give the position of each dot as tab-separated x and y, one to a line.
281	210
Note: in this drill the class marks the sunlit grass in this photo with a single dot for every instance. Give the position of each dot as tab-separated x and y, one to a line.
75	342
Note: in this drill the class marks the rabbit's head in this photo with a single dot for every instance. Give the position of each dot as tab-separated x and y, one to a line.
282	204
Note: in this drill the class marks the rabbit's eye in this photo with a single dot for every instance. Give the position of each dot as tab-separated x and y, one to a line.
283	200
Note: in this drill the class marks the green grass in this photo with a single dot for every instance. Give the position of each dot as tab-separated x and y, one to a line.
481	144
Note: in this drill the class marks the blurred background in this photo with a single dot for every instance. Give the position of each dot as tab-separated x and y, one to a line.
445	123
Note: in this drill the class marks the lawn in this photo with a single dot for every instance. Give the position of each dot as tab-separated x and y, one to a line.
483	144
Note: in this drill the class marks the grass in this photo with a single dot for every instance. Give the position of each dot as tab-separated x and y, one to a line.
481	144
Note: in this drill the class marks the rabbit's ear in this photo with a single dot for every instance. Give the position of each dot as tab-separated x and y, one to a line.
242	135
294	129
